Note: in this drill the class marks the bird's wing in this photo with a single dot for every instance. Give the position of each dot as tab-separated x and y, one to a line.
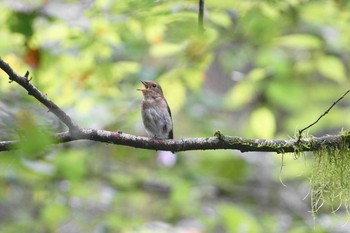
171	134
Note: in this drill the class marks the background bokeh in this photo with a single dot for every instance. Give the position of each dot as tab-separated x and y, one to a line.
261	69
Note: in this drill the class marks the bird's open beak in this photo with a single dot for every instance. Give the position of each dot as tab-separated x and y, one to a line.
145	84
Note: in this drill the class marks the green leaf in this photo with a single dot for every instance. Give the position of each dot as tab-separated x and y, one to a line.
124	68
222	168
332	67
54	214
221	4
256	74
286	94
221	19
52	33
239	96
165	49
263	123
180	27
71	164
21	22
193	78
301	41
179	195
238	220
34	138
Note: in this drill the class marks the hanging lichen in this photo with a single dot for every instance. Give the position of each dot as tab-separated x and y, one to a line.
330	178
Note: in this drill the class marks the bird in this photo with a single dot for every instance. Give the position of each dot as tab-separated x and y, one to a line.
155	111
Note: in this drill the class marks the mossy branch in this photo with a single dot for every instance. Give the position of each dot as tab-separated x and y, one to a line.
218	141
186	144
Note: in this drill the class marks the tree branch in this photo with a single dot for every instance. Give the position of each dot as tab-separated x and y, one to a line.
24	81
218	141
186	144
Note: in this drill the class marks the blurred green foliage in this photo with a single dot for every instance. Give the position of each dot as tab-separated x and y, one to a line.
260	69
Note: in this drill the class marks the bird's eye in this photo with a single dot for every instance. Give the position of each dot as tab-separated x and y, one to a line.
154	85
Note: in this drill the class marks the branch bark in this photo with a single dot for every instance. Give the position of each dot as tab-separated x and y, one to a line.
218	141
186	144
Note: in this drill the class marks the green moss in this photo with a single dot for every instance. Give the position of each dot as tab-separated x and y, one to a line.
330	179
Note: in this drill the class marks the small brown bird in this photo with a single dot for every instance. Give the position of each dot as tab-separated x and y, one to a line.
156	115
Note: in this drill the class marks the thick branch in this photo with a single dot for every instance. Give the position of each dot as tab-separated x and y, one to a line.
186	144
24	81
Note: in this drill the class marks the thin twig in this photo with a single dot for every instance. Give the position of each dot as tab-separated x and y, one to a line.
201	15
319	118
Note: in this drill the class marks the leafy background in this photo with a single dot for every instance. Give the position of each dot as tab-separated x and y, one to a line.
261	69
